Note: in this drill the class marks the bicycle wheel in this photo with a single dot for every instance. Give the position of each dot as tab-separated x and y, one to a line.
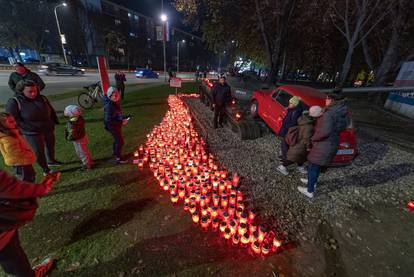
85	100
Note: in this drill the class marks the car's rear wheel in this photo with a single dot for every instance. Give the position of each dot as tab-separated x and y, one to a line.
254	109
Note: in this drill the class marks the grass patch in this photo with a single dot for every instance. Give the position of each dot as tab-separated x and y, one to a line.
80	222
114	221
75	93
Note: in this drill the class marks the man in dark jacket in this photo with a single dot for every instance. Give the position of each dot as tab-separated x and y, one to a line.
36	118
325	141
120	82
294	111
113	122
221	96
23	73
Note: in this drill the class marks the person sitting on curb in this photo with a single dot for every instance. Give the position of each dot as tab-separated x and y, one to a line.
17	206
301	135
325	140
23	73
294	111
113	122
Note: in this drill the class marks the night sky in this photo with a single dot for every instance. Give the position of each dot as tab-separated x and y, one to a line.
153	8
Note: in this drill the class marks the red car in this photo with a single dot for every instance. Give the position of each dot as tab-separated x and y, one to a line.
271	106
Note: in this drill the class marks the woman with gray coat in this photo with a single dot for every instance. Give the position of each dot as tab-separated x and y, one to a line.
325	140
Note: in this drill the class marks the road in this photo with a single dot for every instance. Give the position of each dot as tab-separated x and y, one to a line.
62	84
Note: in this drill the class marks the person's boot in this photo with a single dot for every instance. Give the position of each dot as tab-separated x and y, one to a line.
305	192
44	268
282	169
120	161
54	163
302	170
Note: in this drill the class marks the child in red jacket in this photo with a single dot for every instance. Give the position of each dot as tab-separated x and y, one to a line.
76	133
13	259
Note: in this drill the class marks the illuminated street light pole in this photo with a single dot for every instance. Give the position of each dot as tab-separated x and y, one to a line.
178	54
61	36
164	21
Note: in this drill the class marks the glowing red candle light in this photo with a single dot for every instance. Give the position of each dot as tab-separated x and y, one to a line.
195	217
204	222
227	233
410	205
225	216
233	226
236	179
242	229
193	208
276	244
204	211
223	226
236	239
252	215
252	227
245	239
174	198
256	247
215	223
243	218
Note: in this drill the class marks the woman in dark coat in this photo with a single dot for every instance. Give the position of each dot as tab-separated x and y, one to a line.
325	141
297	153
36	118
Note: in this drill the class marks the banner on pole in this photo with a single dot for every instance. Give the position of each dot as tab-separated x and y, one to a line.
175	82
167	31
103	73
159	31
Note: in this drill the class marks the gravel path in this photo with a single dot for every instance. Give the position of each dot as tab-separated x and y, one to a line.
380	175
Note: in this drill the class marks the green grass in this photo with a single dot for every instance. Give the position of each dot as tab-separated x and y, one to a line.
74	93
114	219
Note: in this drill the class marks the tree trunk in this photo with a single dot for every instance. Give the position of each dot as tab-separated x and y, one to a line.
367	55
346	66
388	60
391	55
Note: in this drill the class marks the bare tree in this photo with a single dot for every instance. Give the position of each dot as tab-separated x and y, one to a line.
355	20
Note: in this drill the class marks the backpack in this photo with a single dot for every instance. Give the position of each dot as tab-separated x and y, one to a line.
15	213
291	137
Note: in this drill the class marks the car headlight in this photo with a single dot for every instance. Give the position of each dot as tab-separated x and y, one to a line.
82	69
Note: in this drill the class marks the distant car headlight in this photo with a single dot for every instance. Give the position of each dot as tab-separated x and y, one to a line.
82	69
44	66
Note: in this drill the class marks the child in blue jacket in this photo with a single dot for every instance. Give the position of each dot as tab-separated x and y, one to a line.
113	122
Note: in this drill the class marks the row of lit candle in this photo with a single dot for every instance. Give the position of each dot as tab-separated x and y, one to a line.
178	158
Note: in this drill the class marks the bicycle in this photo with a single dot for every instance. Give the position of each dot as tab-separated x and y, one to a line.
88	99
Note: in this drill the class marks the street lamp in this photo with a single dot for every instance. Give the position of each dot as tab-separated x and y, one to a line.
178	54
164	19
61	36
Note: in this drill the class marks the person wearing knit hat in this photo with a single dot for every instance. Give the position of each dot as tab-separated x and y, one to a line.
76	133
325	140
294	100
294	111
298	139
113	122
